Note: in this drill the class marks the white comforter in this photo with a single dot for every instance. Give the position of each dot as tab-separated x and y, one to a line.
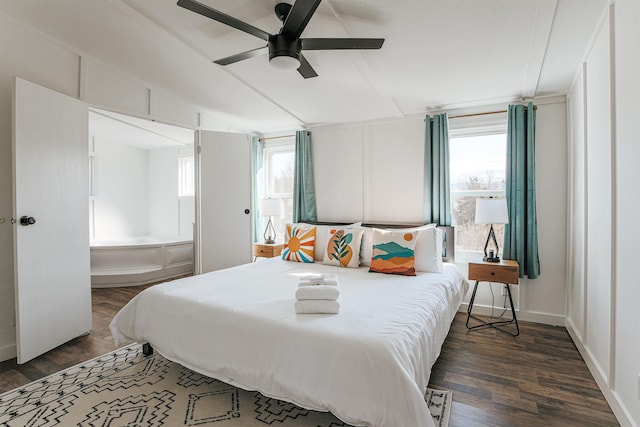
368	365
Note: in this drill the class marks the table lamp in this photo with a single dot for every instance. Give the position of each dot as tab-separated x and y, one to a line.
269	208
491	211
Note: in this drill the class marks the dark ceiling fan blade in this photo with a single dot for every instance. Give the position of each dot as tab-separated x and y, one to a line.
330	44
305	69
242	56
299	17
205	10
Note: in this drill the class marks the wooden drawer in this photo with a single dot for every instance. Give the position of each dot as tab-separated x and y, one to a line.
266	250
505	271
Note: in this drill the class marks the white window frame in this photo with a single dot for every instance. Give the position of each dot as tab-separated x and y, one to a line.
480	127
269	150
285	145
186	176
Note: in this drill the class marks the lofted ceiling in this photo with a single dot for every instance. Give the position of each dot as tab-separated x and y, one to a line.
438	54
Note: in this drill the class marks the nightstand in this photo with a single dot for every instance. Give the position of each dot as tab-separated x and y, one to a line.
267	250
505	271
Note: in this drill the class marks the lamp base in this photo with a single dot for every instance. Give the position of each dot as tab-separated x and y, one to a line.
269	241
491	259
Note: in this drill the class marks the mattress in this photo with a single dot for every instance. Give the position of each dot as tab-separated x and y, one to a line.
369	365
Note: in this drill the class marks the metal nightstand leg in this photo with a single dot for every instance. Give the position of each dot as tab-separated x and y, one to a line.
497	324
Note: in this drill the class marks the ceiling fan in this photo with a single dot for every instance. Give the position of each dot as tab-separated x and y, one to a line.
284	48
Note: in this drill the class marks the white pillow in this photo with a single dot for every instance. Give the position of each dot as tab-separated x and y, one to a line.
428	251
366	247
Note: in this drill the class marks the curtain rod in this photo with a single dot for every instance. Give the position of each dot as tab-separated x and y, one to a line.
277	137
535	107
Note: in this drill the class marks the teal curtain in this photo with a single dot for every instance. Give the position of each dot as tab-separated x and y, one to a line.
521	233
437	199
257	186
304	196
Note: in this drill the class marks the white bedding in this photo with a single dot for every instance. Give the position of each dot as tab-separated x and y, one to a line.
368	365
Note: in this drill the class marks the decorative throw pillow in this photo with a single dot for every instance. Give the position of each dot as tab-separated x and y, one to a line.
343	247
428	250
393	252
299	243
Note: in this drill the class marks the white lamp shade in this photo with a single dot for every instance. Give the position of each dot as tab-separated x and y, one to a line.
491	211
270	207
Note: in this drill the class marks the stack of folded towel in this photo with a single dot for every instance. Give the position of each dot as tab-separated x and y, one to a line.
318	294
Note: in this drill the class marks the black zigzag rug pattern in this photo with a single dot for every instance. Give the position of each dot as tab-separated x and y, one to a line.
126	388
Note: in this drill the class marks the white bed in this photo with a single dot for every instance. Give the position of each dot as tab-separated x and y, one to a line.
369	365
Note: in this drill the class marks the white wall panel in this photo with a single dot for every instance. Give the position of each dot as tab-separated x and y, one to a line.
164	207
546	294
599	202
576	280
394	172
104	87
121	203
627	96
338	154
167	107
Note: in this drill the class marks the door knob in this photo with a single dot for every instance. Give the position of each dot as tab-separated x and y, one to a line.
27	220
247	211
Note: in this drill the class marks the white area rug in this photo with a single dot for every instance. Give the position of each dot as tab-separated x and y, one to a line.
125	388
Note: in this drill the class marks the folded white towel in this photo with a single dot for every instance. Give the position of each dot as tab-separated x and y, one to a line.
328	292
320	306
319	279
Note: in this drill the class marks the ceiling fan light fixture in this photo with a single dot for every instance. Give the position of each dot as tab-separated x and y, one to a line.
284	53
284	62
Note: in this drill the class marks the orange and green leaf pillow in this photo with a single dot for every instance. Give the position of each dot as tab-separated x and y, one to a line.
299	243
343	247
394	252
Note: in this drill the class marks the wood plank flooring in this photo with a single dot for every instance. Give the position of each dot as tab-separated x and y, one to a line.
535	379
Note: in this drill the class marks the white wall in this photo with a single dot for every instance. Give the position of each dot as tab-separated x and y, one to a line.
603	291
626	360
137	193
374	172
121	202
370	172
169	215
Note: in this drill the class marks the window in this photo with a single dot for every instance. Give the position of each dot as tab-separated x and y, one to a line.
186	176
477	169
279	163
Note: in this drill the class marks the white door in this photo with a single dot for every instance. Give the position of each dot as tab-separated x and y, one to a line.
51	185
223	201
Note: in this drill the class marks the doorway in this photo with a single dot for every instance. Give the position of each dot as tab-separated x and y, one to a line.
141	205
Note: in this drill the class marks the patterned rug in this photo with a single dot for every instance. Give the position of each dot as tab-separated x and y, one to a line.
125	388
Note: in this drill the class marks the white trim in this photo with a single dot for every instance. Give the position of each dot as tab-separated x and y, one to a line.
8	352
618	408
522	316
614	193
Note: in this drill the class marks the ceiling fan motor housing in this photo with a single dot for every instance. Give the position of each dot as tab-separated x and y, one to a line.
280	45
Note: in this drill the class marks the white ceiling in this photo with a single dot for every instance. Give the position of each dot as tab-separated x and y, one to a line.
437	54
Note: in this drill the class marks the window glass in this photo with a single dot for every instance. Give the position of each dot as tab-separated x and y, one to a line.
279	164
477	169
186	176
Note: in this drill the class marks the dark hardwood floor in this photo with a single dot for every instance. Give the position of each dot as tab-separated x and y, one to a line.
106	303
535	379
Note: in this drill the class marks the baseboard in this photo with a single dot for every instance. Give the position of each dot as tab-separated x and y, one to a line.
8	352
526	316
612	399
